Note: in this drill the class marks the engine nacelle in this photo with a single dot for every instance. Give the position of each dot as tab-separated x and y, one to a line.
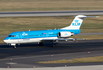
65	34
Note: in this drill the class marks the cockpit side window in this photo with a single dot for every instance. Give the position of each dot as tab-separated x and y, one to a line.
11	36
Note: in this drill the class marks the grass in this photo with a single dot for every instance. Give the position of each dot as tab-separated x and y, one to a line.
1	39
8	25
90	25
35	23
76	60
50	5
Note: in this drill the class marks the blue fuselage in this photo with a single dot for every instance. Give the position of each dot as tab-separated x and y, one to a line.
38	34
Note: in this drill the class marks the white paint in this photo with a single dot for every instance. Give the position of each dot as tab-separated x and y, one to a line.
91	67
31	40
11	63
13	44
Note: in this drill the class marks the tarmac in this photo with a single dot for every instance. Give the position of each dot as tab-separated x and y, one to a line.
92	67
26	55
50	13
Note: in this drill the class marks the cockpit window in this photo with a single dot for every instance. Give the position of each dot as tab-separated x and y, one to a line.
11	36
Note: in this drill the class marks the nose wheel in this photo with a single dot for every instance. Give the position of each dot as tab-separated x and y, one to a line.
15	47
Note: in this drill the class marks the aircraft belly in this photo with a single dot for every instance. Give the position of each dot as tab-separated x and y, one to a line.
28	40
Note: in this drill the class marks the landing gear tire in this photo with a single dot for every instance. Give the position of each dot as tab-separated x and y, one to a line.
40	44
14	47
52	45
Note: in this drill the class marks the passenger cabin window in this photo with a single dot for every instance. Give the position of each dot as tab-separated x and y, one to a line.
11	36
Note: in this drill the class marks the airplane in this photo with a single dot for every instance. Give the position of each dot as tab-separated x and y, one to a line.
41	36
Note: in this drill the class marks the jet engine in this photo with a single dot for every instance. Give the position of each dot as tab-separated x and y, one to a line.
65	34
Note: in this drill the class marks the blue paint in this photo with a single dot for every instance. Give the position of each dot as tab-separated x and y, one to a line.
76	20
66	34
39	34
76	23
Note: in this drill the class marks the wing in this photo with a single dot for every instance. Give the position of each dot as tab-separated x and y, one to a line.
59	39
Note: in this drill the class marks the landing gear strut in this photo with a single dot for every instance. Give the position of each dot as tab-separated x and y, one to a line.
14	46
52	44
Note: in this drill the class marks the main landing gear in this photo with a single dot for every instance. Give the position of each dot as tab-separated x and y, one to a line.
41	44
52	44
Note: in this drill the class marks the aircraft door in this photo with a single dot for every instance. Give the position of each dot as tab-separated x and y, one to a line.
19	37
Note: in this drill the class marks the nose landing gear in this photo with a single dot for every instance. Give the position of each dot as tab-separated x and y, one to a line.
14	46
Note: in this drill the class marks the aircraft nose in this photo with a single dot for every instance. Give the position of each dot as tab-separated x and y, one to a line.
5	40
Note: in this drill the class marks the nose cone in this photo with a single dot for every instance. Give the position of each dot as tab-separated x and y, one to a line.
6	40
